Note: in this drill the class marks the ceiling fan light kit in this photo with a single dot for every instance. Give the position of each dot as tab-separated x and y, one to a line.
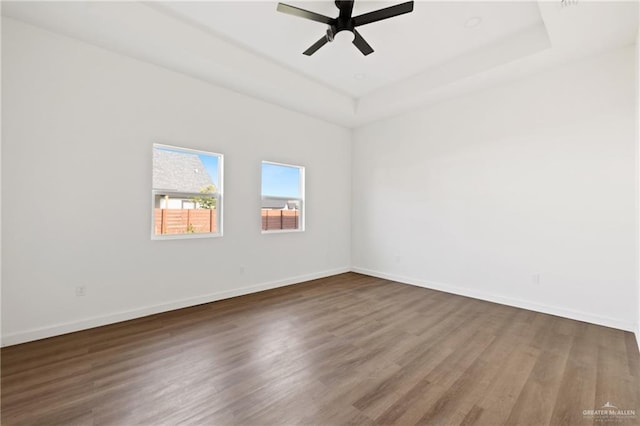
346	22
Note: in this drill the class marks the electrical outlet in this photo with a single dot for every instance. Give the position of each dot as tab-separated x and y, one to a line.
397	258
536	279
81	291
241	270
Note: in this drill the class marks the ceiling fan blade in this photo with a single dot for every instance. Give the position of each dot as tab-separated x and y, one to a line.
387	12
362	44
317	45
301	13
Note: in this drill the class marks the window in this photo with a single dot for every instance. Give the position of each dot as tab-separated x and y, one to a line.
282	197
187	193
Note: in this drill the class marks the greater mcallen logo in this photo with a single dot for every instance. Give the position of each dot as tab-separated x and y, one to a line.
609	412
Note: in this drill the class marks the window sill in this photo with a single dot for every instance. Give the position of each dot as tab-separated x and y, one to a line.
185	236
283	231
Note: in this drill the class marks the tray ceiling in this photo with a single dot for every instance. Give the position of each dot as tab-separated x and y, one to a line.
423	57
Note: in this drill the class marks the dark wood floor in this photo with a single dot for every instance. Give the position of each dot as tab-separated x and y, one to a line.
348	349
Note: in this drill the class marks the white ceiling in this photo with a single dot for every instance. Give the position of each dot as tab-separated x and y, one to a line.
419	58
405	45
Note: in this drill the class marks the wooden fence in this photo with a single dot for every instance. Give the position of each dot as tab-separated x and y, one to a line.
187	221
184	221
280	219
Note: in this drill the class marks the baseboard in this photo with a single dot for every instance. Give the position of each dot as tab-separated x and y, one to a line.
518	303
69	327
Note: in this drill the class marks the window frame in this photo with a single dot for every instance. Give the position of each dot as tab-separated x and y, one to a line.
301	200
218	195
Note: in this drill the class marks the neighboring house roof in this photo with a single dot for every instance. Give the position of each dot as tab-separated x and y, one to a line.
180	172
279	204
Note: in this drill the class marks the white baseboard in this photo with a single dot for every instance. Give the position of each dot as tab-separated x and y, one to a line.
69	327
83	324
518	303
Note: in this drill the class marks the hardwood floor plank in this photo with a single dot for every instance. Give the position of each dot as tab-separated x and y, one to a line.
411	406
485	374
471	418
578	384
535	403
616	384
503	391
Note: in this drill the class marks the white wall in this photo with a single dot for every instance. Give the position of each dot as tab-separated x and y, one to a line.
478	194
79	123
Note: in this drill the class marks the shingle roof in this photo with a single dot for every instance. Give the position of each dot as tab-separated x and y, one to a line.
278	204
181	172
274	204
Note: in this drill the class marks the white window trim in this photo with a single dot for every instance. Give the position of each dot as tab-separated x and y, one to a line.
301	200
218	195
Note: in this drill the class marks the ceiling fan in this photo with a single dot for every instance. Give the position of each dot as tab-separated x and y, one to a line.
346	22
